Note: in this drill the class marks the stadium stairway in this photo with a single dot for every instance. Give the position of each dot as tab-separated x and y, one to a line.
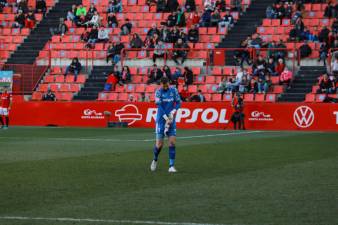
302	84
27	52
246	25
95	83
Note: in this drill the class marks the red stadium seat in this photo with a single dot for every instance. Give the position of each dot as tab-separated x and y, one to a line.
259	97
36	96
310	97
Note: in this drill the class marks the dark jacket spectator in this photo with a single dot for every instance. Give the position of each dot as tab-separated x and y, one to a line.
60	29
40	6
155	75
112	20
114	52
182	52
305	50
153	30
220	5
125	75
126	28
91	11
172	5
136	41
75	68
181	19
199	97
326	85
167	73
23	6
323	35
215	18
188	76
330	11
20	20
172	19
190	5
49	96
205	19
193	34
161	6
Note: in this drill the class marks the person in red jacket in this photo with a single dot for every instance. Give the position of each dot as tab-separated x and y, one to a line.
6	98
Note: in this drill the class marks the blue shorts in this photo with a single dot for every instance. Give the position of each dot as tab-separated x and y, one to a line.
159	130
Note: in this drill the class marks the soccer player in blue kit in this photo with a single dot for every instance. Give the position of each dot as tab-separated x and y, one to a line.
168	101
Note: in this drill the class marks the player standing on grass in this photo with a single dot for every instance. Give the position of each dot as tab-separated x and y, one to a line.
4	108
168	101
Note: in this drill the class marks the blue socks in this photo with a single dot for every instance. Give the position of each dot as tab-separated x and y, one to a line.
172	154
156	153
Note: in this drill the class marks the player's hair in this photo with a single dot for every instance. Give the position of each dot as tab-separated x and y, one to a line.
164	80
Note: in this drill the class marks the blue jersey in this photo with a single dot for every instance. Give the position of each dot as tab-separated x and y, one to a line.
166	101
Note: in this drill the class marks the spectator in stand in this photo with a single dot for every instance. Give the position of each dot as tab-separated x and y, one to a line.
103	35
280	53
227	20
279	67
259	65
172	19
154	75
286	77
177	74
185	94
22	5
167	73
305	50
3	3
215	18
263	85
91	11
94	21
181	18
243	55
174	35
182	51
206	19
92	37
49	96
114	52
253	86
199	97
334	65
71	14
40	6
193	34
256	41
236	5
307	35
330	10
20	20
243	85
172	5
323	35
165	34
193	18
114	6
126	27
188	76
209	5
112	20
183	36
270	67
111	82
153	30
144	98
225	86
159	51
61	29
299	28
81	12
136	41
125	75
326	86
190	5
220	5
30	20
74	68
323	52
161	6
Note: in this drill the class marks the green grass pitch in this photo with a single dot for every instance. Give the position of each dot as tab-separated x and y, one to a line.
54	176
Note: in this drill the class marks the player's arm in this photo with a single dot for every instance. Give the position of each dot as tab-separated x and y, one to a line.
178	102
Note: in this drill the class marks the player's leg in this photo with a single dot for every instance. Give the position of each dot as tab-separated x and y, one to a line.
6	116
172	147
158	145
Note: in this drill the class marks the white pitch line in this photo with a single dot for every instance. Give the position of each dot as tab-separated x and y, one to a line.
133	140
25	218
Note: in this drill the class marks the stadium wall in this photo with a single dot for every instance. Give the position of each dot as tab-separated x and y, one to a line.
258	116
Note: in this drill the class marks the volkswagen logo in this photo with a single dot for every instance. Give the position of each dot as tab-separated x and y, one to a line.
303	116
